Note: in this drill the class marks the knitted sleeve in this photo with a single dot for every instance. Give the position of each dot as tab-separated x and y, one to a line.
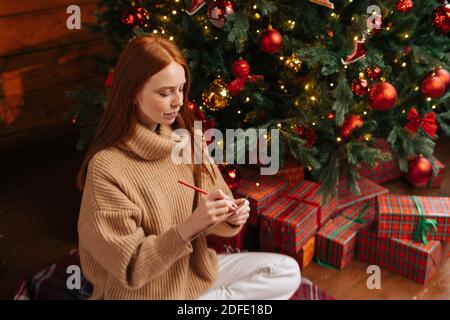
110	230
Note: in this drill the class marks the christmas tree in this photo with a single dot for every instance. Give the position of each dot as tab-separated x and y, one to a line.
331	75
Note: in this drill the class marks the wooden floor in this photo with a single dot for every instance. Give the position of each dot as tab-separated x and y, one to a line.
39	208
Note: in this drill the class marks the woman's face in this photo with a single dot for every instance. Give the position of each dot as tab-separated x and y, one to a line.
162	96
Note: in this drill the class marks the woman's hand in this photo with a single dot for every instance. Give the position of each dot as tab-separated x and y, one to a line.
209	211
242	213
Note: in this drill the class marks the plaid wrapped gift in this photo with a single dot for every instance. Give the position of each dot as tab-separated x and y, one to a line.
434	182
369	191
261	191
384	171
303	257
414	260
413	217
292	220
336	241
293	176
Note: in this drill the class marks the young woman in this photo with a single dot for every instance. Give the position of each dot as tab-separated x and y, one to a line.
141	233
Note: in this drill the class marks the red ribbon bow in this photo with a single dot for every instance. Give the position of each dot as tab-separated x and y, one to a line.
427	123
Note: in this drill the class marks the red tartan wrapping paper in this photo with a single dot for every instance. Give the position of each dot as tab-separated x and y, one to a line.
293	176
336	241
247	239
398	216
304	257
369	191
292	220
384	171
434	182
411	259
262	191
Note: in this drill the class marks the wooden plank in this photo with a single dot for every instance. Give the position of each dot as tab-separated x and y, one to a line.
24	74
44	107
8	7
42	29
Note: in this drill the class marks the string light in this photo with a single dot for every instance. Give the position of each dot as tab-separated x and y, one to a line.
174	12
433	106
338	139
171	38
428	99
331	84
257	16
255	7
155	31
257	184
404	64
279	125
403	111
239	111
365	113
313	123
416	88
282	87
313	98
247	99
406	36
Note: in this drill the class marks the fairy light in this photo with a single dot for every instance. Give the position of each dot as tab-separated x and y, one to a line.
365	113
338	139
388	28
331	84
406	36
155	31
258	31
403	111
416	88
433	106
313	98
345	67
404	64
281	58
174	12
279	125
163	31
306	86
356	38
428	99
255	7
206	27
265	136
257	184
247	99
282	87
257	15
171	38
309	167
165	18
313	123
239	112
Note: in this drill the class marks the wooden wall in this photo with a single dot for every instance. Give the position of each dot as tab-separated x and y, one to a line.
40	59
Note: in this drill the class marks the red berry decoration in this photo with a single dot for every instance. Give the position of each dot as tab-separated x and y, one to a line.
360	86
135	17
351	122
240	68
382	96
109	80
306	134
270	40
373	73
444	75
441	18
404	6
433	87
230	174
419	170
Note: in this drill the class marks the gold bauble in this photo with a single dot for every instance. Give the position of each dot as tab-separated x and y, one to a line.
217	96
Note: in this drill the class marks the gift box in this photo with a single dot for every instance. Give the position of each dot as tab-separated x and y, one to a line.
293	176
261	192
434	182
413	260
413	217
304	257
336	241
369	191
384	171
292	220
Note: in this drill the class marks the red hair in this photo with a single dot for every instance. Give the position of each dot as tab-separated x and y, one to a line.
141	58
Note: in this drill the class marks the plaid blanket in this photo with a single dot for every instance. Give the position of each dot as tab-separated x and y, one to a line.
51	284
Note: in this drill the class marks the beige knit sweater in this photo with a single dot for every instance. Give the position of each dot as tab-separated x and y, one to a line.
129	247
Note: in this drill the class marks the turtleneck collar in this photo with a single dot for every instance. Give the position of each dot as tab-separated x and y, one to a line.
151	145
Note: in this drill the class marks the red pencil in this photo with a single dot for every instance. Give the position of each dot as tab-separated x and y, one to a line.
193	187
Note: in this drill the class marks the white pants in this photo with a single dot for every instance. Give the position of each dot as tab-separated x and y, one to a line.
255	276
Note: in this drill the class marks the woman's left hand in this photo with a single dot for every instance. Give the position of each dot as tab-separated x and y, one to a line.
242	213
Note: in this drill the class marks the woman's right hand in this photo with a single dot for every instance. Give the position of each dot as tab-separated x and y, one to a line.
209	211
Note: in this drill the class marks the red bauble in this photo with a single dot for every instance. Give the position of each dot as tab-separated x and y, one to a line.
441	18
240	68
135	17
270	41
360	86
374	73
444	75
433	87
109	80
351	122
404	6
236	86
420	170
219	10
306	134
230	174
382	96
